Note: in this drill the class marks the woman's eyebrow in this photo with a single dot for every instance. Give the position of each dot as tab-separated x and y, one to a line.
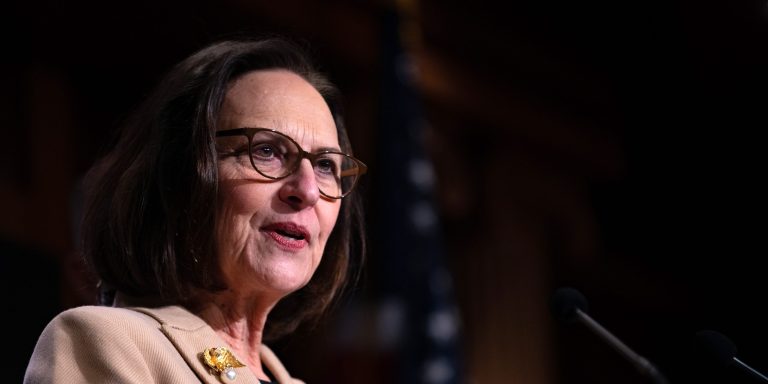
323	149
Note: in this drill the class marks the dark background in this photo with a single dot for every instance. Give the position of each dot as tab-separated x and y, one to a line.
616	147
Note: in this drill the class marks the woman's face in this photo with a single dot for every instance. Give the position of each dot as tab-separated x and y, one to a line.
272	233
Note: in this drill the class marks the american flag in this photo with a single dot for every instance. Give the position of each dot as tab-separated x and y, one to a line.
417	315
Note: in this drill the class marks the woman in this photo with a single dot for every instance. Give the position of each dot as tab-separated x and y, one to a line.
221	218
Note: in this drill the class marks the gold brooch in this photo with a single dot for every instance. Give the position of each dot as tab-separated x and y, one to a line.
222	361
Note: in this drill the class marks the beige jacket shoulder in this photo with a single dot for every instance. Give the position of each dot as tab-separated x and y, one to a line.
92	344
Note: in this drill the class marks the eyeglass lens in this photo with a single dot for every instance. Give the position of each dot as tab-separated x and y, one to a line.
276	156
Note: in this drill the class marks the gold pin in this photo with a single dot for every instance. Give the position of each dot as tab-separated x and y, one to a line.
222	361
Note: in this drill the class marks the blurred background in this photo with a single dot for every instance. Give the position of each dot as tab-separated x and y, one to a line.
514	148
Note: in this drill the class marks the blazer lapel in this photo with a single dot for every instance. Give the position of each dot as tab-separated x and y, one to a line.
191	336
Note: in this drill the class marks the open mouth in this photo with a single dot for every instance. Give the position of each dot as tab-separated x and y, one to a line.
288	235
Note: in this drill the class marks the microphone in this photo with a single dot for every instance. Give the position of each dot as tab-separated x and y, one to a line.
569	305
721	350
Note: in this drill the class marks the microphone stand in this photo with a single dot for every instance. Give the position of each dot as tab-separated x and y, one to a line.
642	364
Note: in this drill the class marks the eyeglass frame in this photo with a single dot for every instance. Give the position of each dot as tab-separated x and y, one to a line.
249	132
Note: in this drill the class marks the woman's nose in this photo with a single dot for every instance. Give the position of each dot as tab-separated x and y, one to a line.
300	189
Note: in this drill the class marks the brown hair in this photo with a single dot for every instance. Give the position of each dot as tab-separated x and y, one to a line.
150	210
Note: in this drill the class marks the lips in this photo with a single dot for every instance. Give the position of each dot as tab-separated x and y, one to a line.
289	235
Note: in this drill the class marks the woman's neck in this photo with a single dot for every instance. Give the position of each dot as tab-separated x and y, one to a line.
239	322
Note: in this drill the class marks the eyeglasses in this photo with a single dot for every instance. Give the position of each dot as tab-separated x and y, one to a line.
275	156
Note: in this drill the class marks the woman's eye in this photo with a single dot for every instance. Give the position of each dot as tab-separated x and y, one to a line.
264	151
327	166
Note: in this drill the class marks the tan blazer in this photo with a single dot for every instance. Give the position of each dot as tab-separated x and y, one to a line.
92	344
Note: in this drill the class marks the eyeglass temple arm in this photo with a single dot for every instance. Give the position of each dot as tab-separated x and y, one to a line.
361	169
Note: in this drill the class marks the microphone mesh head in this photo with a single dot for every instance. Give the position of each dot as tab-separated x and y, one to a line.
716	347
564	303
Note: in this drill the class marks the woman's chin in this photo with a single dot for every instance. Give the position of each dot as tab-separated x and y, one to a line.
285	284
